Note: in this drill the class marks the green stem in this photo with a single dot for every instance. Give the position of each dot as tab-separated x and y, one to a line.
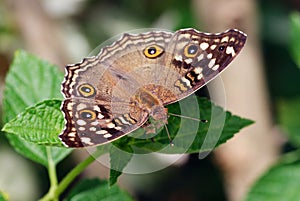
52	176
76	171
56	189
51	168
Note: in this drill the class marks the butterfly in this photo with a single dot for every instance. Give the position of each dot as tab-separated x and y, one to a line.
114	93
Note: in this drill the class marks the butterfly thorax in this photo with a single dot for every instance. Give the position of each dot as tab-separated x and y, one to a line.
150	103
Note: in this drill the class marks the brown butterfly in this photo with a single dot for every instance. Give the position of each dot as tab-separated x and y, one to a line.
115	92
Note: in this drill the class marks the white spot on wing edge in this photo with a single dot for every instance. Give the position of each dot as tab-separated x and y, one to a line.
225	39
216	67
204	45
71	134
230	50
107	135
86	140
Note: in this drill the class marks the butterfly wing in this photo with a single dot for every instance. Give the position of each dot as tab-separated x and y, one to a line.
90	123
199	57
92	116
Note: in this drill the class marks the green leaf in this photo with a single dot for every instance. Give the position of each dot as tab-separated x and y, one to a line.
94	189
39	124
288	114
294	37
29	81
281	182
38	153
114	175
189	135
118	161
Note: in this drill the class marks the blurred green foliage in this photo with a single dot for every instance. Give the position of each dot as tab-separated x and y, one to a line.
282	51
294	37
281	70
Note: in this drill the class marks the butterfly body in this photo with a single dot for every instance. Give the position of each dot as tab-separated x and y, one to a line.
115	92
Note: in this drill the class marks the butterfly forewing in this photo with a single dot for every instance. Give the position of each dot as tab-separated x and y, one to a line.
200	57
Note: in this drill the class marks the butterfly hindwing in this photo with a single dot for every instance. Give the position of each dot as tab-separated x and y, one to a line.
90	123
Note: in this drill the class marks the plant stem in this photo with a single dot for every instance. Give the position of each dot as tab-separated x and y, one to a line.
51	168
77	170
52	176
56	189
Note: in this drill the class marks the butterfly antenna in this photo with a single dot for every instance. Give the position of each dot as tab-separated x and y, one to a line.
167	130
186	117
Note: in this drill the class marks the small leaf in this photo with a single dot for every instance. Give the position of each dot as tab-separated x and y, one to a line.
281	182
29	81
118	161
94	189
113	176
288	112
39	124
294	37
